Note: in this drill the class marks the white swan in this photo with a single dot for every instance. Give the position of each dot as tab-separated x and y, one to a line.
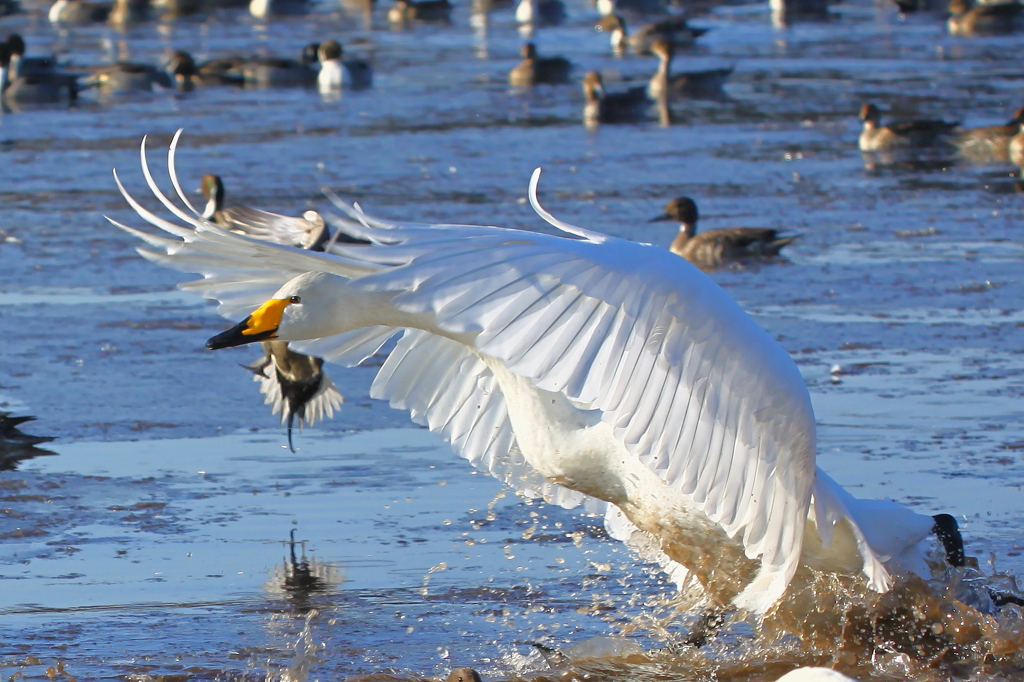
580	368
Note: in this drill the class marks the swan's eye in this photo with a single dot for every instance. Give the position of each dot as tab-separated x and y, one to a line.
295	299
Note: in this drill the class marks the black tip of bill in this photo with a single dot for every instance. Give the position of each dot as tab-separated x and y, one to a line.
237	336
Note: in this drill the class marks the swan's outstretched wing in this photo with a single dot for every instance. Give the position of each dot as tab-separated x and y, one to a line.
237	272
447	387
692	385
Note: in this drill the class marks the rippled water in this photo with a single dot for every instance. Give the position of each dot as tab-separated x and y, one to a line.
152	547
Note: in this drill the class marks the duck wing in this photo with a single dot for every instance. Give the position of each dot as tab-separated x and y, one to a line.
922	127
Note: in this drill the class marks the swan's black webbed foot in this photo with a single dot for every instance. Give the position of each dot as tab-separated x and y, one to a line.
947	531
705	629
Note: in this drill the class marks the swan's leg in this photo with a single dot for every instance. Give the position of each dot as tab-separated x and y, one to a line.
947	531
706	627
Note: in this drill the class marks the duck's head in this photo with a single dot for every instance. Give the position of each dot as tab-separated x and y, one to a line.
662	49
329	49
958	7
309	306
464	675
682	210
310	54
528	51
182	68
593	86
213	189
16	44
870	115
1018	116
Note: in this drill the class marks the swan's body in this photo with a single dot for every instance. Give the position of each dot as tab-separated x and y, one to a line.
582	370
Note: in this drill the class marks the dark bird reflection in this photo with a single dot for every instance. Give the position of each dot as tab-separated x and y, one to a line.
300	578
16	446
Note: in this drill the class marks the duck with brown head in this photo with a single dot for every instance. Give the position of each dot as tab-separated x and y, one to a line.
676	30
876	137
715	248
535	70
989	144
694	84
36	87
612	107
27	66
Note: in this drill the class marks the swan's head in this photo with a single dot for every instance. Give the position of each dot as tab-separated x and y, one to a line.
309	306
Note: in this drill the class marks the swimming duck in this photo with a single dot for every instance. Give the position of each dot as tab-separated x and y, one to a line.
714	248
25	66
612	107
79	12
967	18
125	77
336	74
902	134
675	30
188	75
534	70
663	83
276	72
307	232
36	87
576	368
262	9
405	11
540	12
989	143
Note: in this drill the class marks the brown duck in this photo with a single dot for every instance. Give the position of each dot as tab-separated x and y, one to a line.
612	107
989	143
664	83
712	249
534	70
875	137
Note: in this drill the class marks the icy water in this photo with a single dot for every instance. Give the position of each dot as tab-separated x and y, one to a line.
151	545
